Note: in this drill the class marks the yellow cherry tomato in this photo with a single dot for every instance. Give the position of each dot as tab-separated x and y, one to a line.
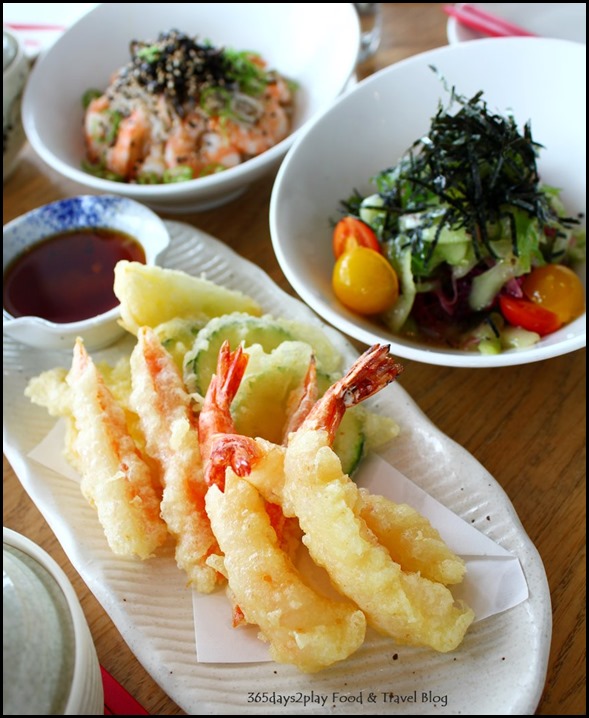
556	288
364	281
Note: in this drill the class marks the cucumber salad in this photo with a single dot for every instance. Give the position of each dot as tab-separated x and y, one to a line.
461	245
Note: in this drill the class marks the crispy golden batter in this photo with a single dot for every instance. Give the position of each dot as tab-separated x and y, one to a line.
301	626
411	609
171	436
115	478
151	295
410	539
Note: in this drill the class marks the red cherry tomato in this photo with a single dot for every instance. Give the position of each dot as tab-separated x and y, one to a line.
556	288
528	315
352	232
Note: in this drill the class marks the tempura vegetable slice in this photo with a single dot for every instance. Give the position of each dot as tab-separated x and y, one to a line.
151	295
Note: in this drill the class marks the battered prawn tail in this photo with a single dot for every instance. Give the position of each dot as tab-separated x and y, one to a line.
131	145
238	452
371	372
258	461
220	445
215	416
301	401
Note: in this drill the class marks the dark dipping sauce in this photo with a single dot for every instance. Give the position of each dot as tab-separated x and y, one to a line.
68	277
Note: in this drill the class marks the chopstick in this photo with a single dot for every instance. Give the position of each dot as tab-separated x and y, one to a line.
33	26
117	700
484	22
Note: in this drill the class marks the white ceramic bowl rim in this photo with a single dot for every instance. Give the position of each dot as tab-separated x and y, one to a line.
14	59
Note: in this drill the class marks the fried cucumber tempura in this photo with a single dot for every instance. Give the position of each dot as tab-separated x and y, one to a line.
115	478
301	626
170	428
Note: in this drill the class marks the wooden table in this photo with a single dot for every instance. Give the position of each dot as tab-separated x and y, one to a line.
525	424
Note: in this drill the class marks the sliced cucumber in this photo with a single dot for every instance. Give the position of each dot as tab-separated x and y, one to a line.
260	407
279	354
329	359
200	362
177	336
349	440
350	437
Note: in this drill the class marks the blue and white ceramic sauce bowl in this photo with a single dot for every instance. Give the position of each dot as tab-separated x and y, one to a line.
58	264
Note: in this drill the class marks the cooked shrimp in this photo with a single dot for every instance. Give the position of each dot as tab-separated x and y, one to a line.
271	125
193	145
221	447
131	145
301	626
168	423
99	128
207	110
220	444
115	478
409	537
181	147
153	164
411	609
118	142
253	139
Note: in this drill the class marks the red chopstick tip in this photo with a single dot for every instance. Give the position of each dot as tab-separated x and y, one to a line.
117	700
477	19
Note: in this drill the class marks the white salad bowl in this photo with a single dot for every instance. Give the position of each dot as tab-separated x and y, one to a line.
370	128
84	212
315	45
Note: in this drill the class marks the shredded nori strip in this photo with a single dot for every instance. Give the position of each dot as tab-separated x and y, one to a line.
476	164
181	68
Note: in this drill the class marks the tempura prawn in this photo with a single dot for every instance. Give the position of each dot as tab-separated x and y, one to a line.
170	428
302	626
411	609
408	536
222	447
116	479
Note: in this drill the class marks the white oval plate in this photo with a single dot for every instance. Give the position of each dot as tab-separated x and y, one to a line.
500	668
566	20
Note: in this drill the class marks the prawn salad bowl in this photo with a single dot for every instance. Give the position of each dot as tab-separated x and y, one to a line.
430	234
191	102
